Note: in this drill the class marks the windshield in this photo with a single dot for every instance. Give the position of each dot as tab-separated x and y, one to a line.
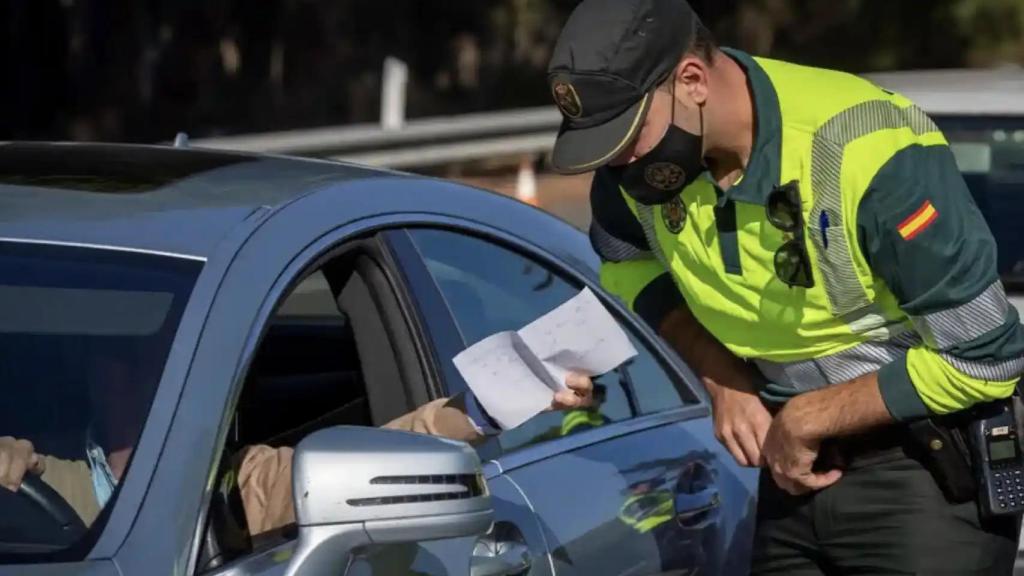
990	153
84	335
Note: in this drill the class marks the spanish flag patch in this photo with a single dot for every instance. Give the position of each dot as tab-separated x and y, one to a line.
918	221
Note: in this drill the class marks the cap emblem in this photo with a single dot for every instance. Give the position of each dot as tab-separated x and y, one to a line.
567	99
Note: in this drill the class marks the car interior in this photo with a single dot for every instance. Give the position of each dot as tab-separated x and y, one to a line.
336	332
43	404
47	380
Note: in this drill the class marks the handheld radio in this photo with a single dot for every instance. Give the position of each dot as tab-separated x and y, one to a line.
998	462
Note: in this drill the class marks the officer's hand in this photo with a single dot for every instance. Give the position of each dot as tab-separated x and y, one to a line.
789	453
579	395
741	422
16	458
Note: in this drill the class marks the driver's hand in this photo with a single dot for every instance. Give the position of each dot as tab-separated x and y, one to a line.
16	458
579	395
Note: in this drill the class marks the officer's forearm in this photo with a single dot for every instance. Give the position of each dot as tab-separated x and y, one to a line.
704	354
841	410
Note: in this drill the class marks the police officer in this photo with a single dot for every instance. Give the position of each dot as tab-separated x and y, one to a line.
804	240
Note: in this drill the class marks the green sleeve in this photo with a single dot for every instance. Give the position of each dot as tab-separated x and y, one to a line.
925	238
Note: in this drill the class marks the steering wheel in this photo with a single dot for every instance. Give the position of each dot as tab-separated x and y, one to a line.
46	500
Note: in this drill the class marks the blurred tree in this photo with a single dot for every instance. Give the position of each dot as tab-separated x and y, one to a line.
143	69
996	29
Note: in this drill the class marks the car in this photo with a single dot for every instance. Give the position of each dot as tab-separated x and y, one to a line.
235	299
981	113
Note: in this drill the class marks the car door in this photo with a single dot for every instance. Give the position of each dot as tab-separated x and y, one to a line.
636	486
338	325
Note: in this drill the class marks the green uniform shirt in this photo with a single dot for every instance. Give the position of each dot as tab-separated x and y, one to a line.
917	227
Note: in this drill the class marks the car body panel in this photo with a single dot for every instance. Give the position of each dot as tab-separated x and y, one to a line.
91	568
622	515
205	193
454	556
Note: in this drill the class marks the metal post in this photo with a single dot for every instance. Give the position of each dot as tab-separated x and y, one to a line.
392	96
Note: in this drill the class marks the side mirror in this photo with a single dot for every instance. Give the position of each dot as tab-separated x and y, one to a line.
355	486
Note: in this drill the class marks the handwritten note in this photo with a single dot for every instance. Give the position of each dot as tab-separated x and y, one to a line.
515	375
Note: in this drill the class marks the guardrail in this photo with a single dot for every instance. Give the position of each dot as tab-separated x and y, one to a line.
416	144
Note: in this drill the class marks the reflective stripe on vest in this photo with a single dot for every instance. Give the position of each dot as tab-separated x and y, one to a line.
611	248
869	357
806	375
836	268
946	328
645	214
941	331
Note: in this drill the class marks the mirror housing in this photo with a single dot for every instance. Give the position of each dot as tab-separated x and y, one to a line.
355	486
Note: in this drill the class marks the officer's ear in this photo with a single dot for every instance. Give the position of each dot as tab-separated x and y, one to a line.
691	76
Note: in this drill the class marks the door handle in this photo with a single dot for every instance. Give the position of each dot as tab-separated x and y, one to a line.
492	558
693	510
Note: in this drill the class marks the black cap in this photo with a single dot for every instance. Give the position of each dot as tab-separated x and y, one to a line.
607	62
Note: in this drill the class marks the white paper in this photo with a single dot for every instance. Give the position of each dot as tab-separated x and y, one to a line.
580	335
502	381
515	375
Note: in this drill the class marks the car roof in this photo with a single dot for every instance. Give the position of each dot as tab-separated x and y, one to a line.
960	92
150	198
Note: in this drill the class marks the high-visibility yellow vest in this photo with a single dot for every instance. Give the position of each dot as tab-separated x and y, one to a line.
831	133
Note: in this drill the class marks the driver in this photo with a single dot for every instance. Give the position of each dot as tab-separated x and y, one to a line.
263	474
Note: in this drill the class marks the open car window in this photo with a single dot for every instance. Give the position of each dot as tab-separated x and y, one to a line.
327	357
489	288
85	333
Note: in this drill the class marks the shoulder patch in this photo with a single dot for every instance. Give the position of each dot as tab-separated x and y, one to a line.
919	221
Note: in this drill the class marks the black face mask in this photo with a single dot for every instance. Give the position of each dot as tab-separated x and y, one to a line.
661	174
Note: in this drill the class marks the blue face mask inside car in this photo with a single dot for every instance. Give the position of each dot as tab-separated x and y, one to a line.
103	481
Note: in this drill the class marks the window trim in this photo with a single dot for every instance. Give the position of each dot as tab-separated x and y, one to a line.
532	453
437	324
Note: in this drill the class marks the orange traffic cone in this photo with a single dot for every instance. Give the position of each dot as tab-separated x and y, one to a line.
526	182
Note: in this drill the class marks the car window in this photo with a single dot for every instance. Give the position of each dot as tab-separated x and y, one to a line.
85	334
489	288
312	369
311	298
305	368
990	154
